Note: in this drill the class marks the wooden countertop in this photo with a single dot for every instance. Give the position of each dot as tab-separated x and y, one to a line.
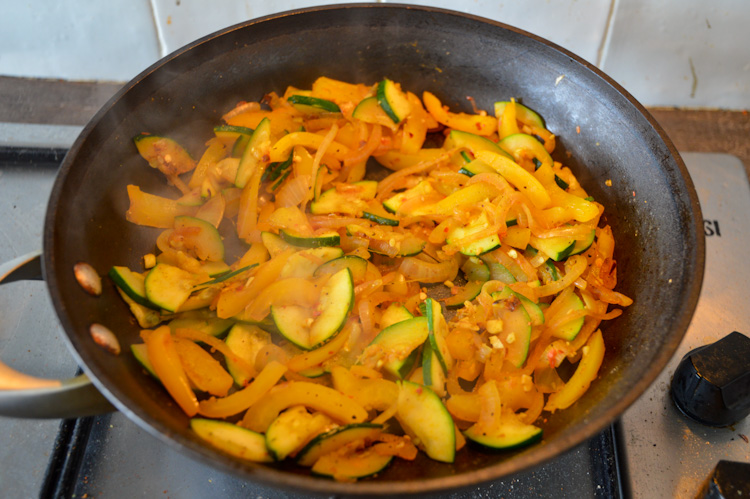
56	102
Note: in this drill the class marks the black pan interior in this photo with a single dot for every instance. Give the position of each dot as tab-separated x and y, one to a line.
651	204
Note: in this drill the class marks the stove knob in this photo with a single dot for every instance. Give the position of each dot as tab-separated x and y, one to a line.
712	382
730	479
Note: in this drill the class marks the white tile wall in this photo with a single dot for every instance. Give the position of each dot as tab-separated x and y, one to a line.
682	53
689	53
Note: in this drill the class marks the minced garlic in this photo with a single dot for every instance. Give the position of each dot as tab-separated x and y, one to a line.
494	326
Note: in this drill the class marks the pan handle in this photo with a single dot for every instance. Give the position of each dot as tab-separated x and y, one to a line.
23	396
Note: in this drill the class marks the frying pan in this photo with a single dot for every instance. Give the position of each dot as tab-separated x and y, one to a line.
617	150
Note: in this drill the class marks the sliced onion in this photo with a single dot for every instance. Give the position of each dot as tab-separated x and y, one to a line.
293	192
419	270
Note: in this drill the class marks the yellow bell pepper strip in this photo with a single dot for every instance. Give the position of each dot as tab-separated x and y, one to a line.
472	123
248	396
321	398
292	291
232	439
315	358
415	127
283	147
580	209
339	91
574	268
465	407
166	362
214	153
154	211
247	217
375	393
202	369
518	177
507	120
470	195
397	160
586	372
233	299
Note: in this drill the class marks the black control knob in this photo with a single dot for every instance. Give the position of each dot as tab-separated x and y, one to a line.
729	480
712	383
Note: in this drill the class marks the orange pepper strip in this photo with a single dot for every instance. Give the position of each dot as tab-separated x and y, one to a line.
206	373
163	356
242	399
321	398
247	218
292	291
586	372
234	299
215	344
154	211
472	123
316	357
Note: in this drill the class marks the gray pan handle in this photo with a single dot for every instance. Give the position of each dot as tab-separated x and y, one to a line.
23	396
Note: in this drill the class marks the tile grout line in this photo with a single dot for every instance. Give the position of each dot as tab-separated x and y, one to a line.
606	34
159	32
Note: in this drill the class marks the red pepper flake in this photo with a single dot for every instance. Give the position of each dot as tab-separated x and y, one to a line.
633	193
419	391
479	126
578	129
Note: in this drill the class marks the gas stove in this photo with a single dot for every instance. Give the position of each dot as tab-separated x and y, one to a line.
653	450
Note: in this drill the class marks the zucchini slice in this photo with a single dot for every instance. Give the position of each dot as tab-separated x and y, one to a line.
399	344
458	139
169	287
358	464
245	341
393	100
201	237
556	248
523	114
201	321
335	439
164	154
132	284
514	144
477	273
569	330
498	271
478	247
312	105
230	133
303	264
232	439
392	204
140	352
328	239
370	111
273	243
535	311
437	330
258	148
356	265
516	331
582	245
432	370
394	314
293	429
507	435
350	202
424	417
308	329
